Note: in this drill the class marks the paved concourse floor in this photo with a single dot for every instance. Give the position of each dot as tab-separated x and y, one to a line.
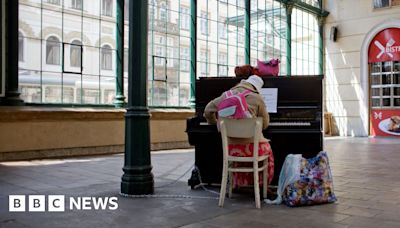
366	180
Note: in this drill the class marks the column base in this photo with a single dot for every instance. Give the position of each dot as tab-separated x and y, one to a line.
137	184
11	101
119	101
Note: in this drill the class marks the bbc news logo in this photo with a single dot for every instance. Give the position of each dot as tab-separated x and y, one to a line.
56	203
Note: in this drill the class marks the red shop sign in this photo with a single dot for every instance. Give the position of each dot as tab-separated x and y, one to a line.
385	122
385	46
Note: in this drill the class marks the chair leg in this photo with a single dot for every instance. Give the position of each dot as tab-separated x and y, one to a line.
265	180
223	184
256	185
230	175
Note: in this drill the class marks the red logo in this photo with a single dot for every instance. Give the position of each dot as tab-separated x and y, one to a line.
383	48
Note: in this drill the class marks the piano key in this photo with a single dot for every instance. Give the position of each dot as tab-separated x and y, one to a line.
289	124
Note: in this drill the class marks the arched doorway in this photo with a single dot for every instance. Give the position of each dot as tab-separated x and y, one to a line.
380	74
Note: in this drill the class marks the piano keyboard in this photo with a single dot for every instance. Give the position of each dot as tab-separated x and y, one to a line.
278	123
289	124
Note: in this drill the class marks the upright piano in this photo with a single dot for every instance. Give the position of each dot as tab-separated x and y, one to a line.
296	127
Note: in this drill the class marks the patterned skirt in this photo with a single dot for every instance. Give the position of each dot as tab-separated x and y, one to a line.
246	150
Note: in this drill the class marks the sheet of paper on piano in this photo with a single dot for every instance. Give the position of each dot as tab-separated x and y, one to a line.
270	96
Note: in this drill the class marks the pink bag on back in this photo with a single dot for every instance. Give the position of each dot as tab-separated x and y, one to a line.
234	105
268	68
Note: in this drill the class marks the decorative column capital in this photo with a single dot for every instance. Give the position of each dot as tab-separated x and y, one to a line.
289	8
321	20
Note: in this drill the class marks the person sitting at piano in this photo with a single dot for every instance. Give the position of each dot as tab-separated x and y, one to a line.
244	147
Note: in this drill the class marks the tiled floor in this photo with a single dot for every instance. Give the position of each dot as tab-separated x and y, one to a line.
366	177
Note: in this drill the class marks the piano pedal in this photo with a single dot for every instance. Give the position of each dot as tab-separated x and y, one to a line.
195	178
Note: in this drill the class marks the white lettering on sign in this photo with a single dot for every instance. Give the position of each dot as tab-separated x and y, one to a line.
388	49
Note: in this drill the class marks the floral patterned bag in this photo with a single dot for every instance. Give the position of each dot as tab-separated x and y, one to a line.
315	185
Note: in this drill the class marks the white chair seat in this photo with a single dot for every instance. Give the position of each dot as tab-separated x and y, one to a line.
243	128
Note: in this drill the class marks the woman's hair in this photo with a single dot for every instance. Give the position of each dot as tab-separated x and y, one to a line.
244	71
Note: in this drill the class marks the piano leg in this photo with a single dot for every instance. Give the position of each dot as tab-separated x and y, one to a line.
194	179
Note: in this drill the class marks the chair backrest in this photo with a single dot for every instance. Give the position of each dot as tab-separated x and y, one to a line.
241	128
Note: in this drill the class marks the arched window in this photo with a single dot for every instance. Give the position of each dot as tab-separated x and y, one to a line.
76	4
53	50
106	57
107	8
20	47
75	53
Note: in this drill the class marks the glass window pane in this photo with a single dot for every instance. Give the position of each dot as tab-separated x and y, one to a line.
396	91
90	90
29	83
184	94
30	18
396	102
173	94
51	54
385	91
72	26
51	24
386	102
386	79
71	84
376	79
376	67
396	66
107	87
376	92
51	87
91	60
386	66
376	102
396	78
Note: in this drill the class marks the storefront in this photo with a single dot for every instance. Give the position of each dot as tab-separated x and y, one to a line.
384	81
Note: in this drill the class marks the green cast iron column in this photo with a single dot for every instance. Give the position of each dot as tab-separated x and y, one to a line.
289	9
11	83
119	38
137	178
193	50
321	44
247	32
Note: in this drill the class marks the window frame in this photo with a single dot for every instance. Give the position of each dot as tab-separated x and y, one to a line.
384	85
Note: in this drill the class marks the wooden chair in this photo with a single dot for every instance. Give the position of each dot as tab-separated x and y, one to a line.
242	128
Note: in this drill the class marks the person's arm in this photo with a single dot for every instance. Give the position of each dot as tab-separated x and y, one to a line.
211	110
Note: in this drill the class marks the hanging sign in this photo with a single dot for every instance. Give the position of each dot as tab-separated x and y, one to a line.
385	122
385	46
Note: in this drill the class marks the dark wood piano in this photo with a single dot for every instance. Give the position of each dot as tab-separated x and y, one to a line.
295	128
